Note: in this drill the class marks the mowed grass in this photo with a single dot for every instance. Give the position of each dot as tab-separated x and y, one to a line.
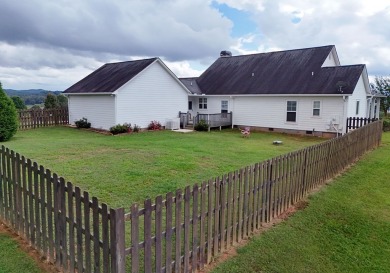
13	259
120	170
345	228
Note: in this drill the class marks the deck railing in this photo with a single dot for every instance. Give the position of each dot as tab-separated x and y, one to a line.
215	120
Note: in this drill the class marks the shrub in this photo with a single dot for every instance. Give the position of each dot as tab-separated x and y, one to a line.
201	126
8	117
83	123
386	124
51	102
136	128
120	128
154	125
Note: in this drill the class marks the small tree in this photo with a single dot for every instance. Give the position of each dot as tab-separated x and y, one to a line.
382	85
62	100
8	117
19	103
51	101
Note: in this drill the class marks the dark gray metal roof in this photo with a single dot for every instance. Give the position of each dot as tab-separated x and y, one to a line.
109	77
283	72
191	85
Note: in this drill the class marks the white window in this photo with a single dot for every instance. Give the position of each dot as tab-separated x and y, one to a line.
224	106
202	103
357	107
316	108
291	111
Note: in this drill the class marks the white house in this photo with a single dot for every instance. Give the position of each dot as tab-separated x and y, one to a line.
135	92
303	91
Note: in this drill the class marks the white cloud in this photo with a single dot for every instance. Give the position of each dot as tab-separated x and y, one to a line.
62	41
248	5
357	28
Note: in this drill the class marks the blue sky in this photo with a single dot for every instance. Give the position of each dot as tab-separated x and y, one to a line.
243	23
62	42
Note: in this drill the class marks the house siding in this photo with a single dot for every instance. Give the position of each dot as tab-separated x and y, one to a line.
329	61
99	110
270	112
360	95
152	95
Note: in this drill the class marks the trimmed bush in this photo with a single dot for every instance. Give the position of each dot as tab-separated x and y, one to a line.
202	126
83	123
8	117
120	129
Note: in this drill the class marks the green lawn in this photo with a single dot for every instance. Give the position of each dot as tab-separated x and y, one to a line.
13	259
120	170
345	228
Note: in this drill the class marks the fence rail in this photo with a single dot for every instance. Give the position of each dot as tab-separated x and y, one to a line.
354	123
35	118
180	232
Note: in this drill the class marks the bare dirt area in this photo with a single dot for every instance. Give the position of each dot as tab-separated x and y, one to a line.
44	265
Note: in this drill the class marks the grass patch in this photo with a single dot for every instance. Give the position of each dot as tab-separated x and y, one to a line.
13	259
345	228
120	170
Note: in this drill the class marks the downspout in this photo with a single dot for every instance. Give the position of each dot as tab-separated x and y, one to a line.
369	110
344	130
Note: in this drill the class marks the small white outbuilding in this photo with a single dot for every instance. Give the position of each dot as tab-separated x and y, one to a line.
135	92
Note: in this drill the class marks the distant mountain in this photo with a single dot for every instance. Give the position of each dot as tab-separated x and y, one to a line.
31	96
12	92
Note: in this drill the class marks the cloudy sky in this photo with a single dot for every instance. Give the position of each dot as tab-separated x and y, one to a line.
53	44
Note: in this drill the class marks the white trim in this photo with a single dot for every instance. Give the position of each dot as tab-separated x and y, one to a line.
83	94
274	95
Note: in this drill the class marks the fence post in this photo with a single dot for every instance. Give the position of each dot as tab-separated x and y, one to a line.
208	121
117	240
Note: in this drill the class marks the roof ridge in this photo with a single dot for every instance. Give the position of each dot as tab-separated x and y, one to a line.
277	51
148	59
340	66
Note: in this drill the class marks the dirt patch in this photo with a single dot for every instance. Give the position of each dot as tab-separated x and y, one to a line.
44	265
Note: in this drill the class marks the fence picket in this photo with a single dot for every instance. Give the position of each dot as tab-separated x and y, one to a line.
169	232
178	231
195	229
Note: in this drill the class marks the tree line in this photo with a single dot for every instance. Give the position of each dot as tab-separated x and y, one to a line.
51	101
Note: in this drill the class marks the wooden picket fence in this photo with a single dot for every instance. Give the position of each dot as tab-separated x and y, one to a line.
66	226
35	118
354	122
180	232
184	231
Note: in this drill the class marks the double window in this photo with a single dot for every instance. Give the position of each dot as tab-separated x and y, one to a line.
291	111
202	103
316	108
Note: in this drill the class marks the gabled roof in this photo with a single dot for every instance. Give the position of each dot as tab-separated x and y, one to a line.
109	77
191	85
283	72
